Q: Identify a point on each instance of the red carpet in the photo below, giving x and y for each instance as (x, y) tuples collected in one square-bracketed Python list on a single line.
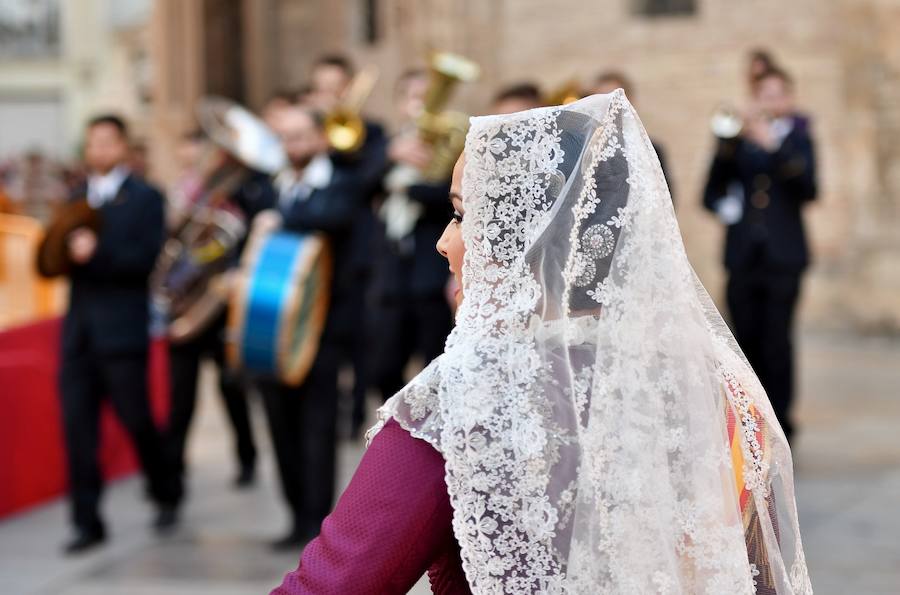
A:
[(32, 458)]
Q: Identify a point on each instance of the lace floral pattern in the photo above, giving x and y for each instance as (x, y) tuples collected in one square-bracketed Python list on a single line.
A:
[(579, 404)]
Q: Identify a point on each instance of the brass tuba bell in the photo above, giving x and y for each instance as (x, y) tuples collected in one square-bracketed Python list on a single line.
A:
[(444, 130)]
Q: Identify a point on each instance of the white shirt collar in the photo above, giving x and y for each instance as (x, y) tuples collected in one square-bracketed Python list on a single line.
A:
[(293, 185), (319, 171), (781, 127), (103, 188)]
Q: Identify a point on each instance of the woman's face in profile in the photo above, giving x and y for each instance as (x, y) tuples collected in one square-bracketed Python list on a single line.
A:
[(451, 244)]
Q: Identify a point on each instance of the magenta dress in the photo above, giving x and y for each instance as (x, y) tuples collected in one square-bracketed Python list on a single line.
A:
[(390, 526)]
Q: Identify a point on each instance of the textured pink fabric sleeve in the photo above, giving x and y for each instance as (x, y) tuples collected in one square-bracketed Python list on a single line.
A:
[(391, 524)]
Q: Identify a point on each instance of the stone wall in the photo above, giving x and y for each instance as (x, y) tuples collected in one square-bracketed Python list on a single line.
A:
[(844, 54)]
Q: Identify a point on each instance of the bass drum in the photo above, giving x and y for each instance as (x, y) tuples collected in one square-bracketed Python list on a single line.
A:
[(279, 305)]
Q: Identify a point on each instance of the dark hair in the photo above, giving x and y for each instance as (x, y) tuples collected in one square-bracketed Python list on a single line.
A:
[(112, 120), (777, 73), (763, 56), (194, 135), (527, 91), (408, 75), (317, 117), (614, 76), (336, 60), (288, 95)]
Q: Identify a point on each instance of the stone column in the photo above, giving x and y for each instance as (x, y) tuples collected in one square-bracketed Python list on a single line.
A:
[(869, 283), (177, 33)]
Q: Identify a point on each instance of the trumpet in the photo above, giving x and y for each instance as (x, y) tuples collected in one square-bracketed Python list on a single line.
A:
[(726, 122), (344, 126), (568, 92)]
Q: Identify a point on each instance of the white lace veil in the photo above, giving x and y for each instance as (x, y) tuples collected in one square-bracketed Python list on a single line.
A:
[(601, 429)]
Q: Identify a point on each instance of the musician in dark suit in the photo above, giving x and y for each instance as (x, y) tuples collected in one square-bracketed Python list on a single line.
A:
[(609, 81), (330, 80), (758, 184), (314, 195), (105, 333), (517, 97), (252, 196), (411, 316)]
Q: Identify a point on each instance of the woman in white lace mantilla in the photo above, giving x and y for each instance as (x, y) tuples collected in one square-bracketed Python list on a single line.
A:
[(591, 427)]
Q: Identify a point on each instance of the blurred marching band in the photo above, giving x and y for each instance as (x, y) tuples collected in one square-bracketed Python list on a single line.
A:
[(297, 246)]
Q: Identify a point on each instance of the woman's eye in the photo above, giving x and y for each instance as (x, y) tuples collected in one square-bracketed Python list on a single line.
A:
[(457, 217)]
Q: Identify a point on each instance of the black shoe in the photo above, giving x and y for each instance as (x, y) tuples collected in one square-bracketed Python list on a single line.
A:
[(245, 478), (83, 541), (166, 519), (293, 541)]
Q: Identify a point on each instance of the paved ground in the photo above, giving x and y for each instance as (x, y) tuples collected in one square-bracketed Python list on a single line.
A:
[(848, 465), (848, 472)]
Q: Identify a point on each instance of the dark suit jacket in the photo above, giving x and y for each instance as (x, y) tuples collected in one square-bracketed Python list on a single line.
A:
[(255, 194), (412, 267), (661, 154), (770, 234), (109, 303), (334, 210), (369, 161), (367, 166)]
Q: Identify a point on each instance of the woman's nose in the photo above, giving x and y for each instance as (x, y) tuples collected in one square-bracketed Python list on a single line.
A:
[(441, 245)]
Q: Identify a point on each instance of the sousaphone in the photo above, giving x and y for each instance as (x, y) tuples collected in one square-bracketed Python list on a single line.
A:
[(188, 284)]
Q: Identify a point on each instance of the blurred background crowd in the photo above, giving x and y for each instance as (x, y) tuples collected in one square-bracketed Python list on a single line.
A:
[(777, 126), (151, 61)]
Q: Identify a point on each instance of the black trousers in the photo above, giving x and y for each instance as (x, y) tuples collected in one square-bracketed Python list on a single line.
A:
[(303, 423), (85, 379), (762, 305), (184, 363), (355, 352), (403, 328)]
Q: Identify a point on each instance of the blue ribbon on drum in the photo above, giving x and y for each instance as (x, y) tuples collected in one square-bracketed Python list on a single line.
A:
[(268, 292), (280, 311)]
